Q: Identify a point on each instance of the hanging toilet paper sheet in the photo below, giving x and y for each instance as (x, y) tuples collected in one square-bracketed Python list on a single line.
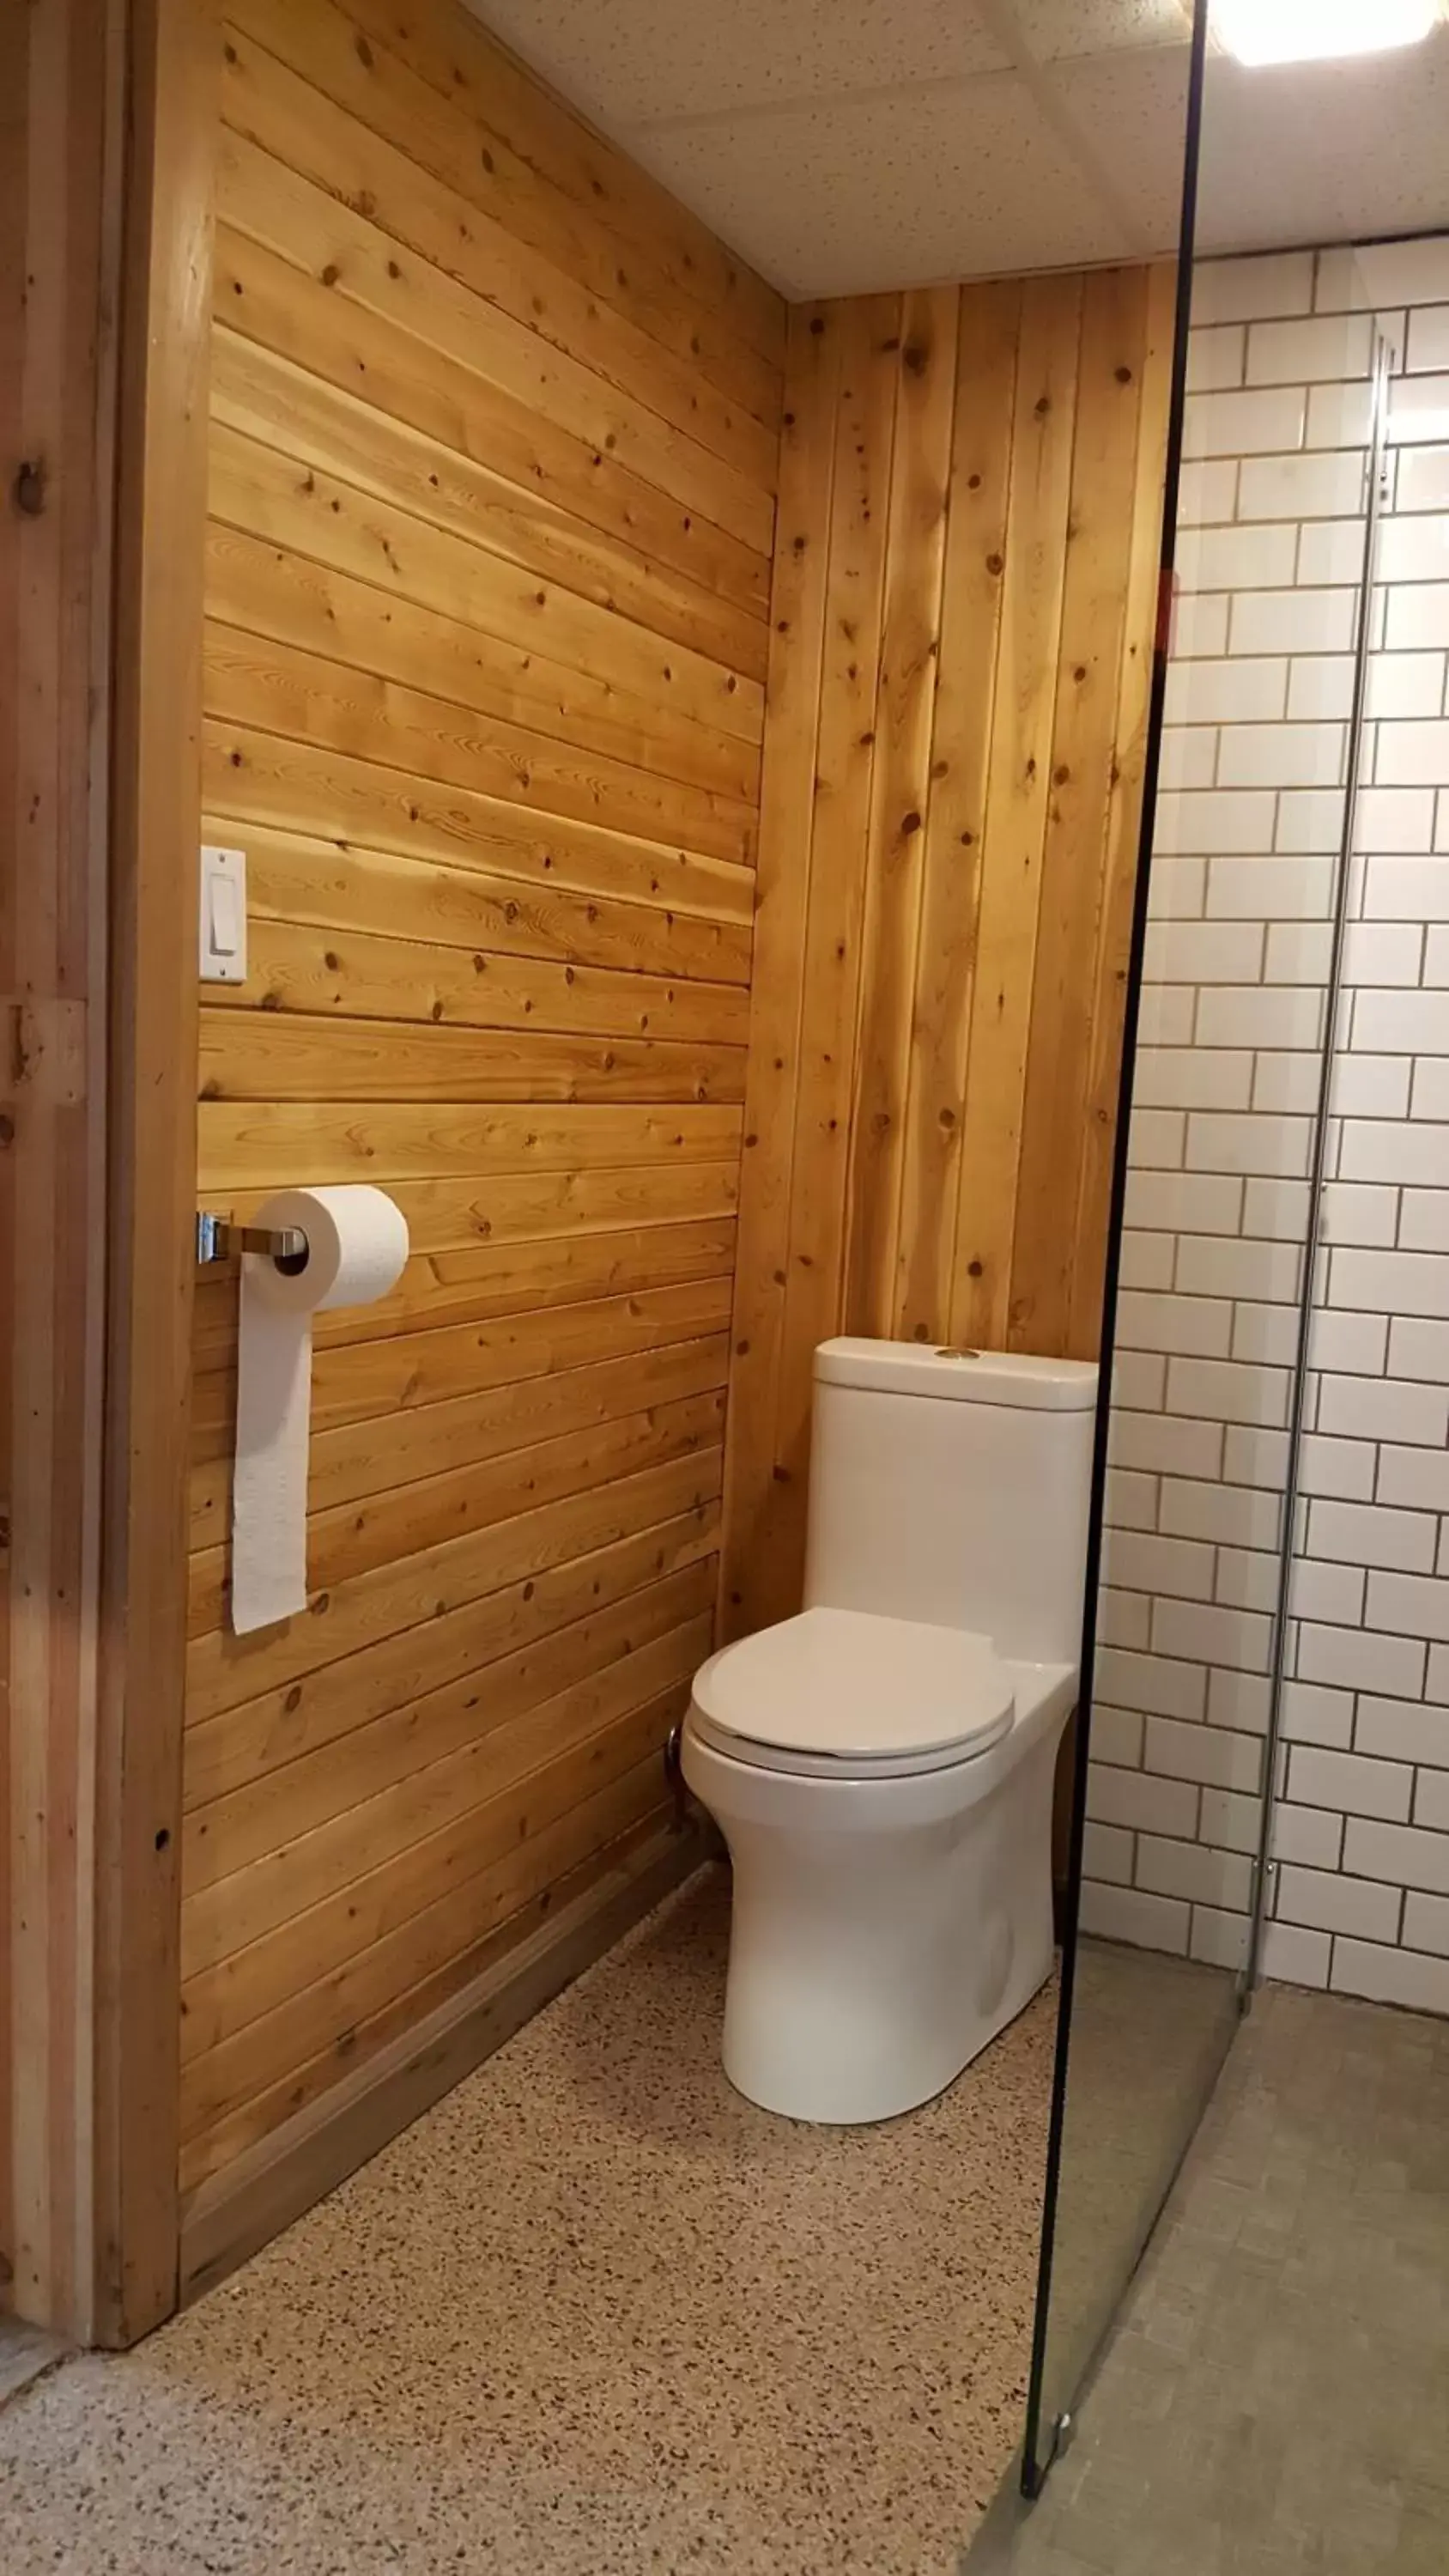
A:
[(357, 1243)]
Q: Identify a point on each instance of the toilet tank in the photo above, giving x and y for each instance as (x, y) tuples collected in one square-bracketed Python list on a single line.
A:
[(953, 1486)]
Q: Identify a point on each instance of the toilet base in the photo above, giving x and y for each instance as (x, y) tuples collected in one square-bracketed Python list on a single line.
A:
[(884, 1931), (854, 2074)]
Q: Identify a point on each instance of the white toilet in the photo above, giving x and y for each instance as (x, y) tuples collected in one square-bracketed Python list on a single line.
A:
[(881, 1766)]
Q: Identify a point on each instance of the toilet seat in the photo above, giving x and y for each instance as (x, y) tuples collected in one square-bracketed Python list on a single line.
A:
[(845, 1692)]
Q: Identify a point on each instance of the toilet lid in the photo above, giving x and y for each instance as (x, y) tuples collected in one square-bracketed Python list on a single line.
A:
[(846, 1689)]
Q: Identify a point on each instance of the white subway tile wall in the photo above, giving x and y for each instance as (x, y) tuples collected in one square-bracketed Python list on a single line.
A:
[(1248, 829)]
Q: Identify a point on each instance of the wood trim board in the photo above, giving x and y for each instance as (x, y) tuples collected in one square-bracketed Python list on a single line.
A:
[(105, 217)]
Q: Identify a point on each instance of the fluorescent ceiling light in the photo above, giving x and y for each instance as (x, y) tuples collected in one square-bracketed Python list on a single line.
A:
[(1308, 31)]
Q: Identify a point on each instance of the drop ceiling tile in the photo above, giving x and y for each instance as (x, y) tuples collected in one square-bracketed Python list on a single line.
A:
[(1054, 28), (1325, 152), (830, 193), (1133, 110), (855, 195), (638, 60)]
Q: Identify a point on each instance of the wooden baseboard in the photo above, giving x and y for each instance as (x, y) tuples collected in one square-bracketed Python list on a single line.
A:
[(236, 2212)]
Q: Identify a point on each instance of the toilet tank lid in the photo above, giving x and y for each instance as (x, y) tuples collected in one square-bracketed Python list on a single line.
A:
[(965, 1376)]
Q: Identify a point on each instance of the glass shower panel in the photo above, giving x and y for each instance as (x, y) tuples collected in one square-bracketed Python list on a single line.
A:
[(1193, 1629)]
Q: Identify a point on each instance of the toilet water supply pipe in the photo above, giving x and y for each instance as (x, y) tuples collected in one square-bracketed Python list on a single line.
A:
[(1265, 1873)]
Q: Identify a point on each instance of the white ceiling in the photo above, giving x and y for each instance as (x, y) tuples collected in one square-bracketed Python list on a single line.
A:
[(847, 145)]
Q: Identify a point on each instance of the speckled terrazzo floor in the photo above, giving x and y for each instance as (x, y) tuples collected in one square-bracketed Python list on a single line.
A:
[(593, 2313)]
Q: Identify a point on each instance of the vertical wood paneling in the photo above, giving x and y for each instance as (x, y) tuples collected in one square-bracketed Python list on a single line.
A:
[(1124, 815), (494, 449), (782, 909), (844, 766), (900, 795), (931, 1159), (1018, 798), (1083, 751), (980, 476)]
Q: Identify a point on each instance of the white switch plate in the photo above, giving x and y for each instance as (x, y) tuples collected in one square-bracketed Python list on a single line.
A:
[(223, 915)]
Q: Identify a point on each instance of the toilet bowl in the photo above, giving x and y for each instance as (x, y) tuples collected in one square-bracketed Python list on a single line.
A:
[(881, 1765)]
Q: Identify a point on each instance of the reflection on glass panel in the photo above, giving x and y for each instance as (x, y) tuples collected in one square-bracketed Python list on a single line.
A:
[(1227, 1086), (1277, 1381)]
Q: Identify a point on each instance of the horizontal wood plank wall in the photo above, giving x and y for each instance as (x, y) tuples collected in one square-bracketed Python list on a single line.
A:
[(969, 523), (494, 445)]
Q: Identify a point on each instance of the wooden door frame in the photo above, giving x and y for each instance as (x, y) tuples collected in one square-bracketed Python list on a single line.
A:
[(101, 565)]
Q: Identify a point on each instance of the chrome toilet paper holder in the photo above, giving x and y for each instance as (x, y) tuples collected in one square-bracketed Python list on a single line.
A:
[(217, 1238)]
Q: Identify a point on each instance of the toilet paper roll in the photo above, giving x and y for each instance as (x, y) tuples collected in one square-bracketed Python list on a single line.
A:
[(357, 1242)]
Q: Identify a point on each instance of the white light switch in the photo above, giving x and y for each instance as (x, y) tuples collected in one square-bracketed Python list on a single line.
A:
[(223, 915)]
